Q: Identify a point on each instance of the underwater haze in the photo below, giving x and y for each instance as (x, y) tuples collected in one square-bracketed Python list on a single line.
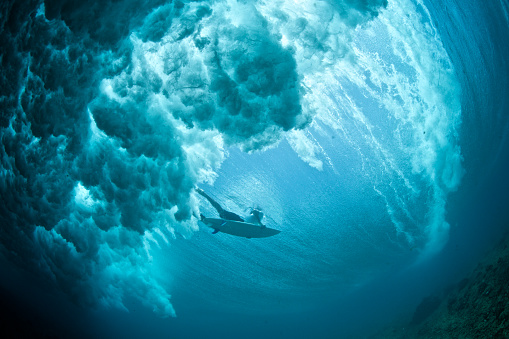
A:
[(372, 133)]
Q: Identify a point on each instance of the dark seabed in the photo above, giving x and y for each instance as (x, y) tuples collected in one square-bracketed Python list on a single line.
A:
[(374, 134)]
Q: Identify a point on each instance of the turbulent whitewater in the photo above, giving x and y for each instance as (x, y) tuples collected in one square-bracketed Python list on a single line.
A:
[(340, 118)]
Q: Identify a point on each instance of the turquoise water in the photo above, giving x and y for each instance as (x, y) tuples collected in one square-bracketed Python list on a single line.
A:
[(372, 134)]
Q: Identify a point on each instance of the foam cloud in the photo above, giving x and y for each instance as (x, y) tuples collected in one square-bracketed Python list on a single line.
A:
[(213, 72)]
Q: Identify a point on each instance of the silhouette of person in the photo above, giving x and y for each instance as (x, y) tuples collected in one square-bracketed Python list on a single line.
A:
[(224, 214)]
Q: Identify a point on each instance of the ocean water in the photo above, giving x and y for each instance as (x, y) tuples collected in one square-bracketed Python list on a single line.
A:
[(372, 134)]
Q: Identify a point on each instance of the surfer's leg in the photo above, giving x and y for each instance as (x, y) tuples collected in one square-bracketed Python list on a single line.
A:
[(214, 203)]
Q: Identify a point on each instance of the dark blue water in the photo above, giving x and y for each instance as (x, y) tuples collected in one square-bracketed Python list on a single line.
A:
[(373, 134)]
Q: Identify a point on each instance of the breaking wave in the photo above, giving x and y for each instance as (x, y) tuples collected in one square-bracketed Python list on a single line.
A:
[(108, 125)]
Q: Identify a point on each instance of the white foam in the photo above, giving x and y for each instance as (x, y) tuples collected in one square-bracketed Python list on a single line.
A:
[(305, 148), (401, 65)]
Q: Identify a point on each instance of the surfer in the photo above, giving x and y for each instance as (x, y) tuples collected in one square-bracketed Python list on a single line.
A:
[(255, 217), (223, 214), (231, 223)]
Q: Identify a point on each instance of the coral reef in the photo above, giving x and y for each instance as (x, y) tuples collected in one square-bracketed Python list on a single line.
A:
[(476, 307)]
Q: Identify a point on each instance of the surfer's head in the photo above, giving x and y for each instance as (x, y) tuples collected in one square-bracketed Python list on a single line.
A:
[(257, 214)]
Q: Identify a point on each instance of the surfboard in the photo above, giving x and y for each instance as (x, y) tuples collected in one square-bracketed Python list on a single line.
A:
[(239, 228)]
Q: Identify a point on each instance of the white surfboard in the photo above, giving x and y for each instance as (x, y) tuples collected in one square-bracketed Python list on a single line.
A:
[(239, 228)]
